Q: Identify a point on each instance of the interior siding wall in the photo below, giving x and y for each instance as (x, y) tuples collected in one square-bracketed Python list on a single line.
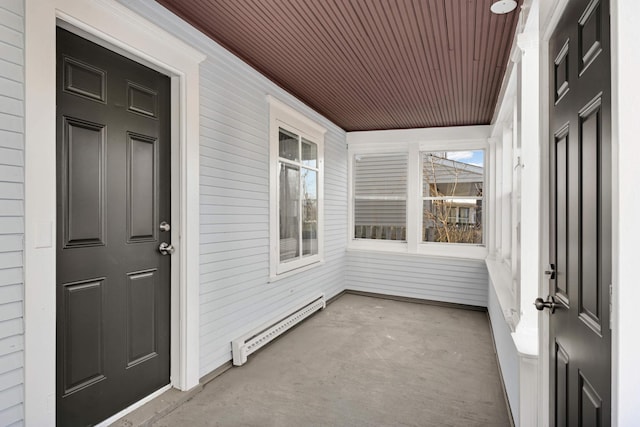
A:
[(235, 293), (459, 281), (11, 211)]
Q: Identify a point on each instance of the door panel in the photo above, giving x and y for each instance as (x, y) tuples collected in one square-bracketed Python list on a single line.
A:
[(83, 352), (142, 171), (590, 34), (561, 385), (141, 316), (590, 405), (560, 172), (142, 100), (590, 139), (82, 167), (84, 80), (580, 216), (113, 285)]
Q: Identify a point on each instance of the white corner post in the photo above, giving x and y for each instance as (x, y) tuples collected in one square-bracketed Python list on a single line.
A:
[(526, 334)]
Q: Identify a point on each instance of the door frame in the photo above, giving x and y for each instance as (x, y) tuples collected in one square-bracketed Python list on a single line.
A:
[(546, 31), (625, 129), (108, 23)]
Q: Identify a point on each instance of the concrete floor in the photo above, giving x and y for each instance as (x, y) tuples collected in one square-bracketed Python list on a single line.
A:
[(362, 362)]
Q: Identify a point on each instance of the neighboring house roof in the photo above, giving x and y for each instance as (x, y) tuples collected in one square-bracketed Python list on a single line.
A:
[(453, 178)]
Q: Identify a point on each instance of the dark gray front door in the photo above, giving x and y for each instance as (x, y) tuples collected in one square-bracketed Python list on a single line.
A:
[(113, 191), (580, 217)]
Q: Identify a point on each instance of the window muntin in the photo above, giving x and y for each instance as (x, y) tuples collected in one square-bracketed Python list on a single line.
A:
[(297, 197), (380, 196), (452, 196)]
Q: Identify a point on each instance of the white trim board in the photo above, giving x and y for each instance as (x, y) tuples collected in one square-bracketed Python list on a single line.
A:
[(625, 67), (114, 26)]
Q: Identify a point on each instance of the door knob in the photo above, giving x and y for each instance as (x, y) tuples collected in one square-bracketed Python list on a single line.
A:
[(166, 248), (550, 303)]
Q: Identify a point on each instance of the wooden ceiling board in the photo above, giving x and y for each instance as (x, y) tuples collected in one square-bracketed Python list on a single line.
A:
[(370, 64)]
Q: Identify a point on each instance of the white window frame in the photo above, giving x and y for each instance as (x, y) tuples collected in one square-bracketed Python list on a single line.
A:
[(414, 142), (283, 116), (459, 246)]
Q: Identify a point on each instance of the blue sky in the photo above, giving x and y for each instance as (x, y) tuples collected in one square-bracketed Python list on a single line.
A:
[(475, 157)]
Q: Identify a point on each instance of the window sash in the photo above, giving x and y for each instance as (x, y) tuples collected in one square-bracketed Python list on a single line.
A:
[(301, 247), (439, 172), (380, 197)]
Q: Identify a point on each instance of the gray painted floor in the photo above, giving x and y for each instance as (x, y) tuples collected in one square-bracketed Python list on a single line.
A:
[(362, 362)]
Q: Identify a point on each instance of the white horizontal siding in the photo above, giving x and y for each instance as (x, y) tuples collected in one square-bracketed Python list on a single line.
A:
[(11, 211), (235, 293), (451, 280)]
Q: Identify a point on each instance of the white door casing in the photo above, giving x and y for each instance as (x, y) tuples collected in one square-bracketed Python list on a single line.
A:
[(108, 23)]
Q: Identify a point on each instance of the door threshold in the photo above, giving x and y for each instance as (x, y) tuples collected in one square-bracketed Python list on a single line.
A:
[(151, 408)]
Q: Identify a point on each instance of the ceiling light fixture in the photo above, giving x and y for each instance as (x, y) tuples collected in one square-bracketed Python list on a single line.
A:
[(503, 6)]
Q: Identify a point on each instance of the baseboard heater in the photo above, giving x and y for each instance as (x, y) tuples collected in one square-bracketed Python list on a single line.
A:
[(258, 338)]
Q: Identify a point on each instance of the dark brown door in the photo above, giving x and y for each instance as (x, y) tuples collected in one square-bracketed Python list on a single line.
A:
[(580, 200), (113, 191)]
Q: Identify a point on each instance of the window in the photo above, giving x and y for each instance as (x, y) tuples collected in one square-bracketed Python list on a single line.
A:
[(380, 196), (420, 191), (296, 153), (452, 196), (298, 196)]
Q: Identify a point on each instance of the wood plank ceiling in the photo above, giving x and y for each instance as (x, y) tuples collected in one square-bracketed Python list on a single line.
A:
[(370, 64)]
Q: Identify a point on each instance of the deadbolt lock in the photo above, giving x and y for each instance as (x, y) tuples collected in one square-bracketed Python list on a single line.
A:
[(550, 272), (164, 226)]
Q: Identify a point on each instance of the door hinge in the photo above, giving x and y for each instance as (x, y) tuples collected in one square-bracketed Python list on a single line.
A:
[(610, 306)]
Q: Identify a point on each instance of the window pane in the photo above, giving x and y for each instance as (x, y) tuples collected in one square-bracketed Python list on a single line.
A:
[(309, 212), (309, 154), (289, 212), (289, 148), (380, 193), (453, 173), (452, 221)]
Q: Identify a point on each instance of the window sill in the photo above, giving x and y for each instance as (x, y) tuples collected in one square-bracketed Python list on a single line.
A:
[(453, 250), (378, 245), (275, 278), (443, 250)]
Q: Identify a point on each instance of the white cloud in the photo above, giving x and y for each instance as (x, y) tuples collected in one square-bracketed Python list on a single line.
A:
[(459, 155)]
